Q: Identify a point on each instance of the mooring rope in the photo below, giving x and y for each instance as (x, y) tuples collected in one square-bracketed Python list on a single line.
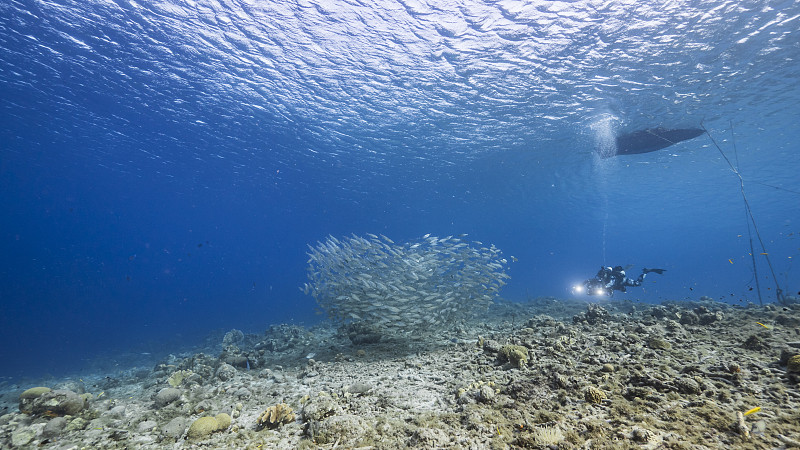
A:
[(778, 291)]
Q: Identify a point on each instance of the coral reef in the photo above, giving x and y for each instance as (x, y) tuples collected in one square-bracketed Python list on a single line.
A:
[(594, 395), (348, 430), (793, 364), (547, 435), (635, 378), (515, 354), (204, 426), (177, 378), (52, 403), (276, 416), (27, 398), (232, 337)]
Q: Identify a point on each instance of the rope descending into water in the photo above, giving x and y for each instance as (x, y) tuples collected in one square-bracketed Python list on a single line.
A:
[(778, 290)]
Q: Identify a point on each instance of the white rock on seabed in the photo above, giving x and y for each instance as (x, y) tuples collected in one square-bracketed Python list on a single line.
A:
[(22, 436)]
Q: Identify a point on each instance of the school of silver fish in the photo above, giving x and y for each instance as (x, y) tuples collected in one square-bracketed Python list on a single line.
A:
[(422, 285)]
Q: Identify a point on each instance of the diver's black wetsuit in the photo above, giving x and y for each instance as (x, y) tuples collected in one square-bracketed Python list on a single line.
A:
[(614, 279)]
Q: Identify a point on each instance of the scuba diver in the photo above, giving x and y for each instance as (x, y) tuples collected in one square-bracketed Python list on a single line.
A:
[(610, 279)]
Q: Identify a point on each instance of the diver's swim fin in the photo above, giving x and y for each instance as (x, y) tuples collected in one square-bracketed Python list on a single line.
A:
[(658, 271)]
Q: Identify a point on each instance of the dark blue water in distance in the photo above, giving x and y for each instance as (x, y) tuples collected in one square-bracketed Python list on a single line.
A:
[(164, 164)]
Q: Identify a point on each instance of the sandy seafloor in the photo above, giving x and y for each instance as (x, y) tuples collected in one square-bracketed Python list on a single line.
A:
[(612, 374)]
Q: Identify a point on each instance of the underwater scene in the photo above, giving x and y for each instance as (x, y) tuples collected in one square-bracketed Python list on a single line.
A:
[(399, 224)]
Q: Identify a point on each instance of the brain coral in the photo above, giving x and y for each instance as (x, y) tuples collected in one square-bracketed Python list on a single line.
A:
[(204, 426)]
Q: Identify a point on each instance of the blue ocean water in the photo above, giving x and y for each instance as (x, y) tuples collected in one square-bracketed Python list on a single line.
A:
[(165, 163)]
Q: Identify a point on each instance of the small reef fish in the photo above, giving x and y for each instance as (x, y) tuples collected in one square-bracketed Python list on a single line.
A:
[(416, 286), (752, 411)]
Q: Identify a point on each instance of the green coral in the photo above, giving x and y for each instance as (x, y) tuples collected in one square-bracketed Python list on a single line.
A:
[(34, 392), (223, 421), (659, 344), (204, 426), (77, 424), (177, 378), (515, 354)]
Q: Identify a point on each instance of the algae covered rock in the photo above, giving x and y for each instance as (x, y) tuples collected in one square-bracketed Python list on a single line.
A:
[(430, 438), (348, 430), (54, 427), (241, 361), (479, 391), (642, 435), (232, 337), (77, 424), (515, 354), (117, 412), (60, 402), (177, 378), (757, 342), (167, 396), (319, 407), (689, 318), (175, 428), (688, 385), (486, 394), (594, 315), (27, 397), (226, 372), (594, 395), (362, 333), (793, 364), (490, 345), (658, 344), (22, 436), (146, 426)]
